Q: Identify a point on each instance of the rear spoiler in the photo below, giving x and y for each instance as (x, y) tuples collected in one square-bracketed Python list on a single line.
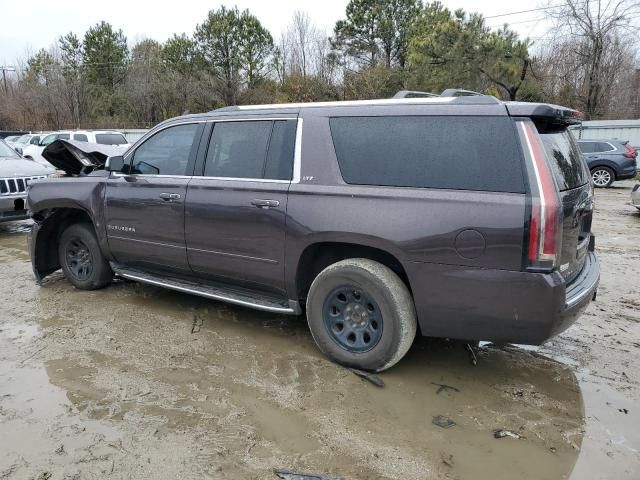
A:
[(554, 114)]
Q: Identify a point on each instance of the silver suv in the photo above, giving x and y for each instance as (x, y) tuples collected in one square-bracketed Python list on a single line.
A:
[(15, 174)]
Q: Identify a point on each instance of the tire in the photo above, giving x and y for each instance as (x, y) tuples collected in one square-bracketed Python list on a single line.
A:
[(602, 177), (81, 259), (361, 314)]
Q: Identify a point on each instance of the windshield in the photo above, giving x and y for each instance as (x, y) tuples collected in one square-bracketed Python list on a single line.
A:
[(24, 139), (6, 151), (50, 139)]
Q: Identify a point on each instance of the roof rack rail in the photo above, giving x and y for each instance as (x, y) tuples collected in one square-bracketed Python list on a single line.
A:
[(230, 108), (459, 92), (413, 94)]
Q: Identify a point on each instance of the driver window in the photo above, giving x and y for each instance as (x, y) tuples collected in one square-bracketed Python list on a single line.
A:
[(167, 152)]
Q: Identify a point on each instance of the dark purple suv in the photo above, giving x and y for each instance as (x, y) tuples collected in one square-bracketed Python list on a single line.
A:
[(465, 217)]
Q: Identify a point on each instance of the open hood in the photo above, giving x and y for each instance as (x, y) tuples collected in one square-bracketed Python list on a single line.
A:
[(80, 158)]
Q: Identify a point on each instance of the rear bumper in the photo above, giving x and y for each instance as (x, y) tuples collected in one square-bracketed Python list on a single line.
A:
[(499, 305), (578, 294), (627, 175), (628, 170)]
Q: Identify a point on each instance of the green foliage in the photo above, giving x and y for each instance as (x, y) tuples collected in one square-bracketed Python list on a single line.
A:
[(40, 67), (235, 47), (257, 46), (376, 29), (454, 49), (180, 54), (71, 51), (105, 56), (443, 49)]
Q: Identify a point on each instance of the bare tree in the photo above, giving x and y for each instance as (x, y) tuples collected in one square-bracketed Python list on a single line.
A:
[(591, 41), (301, 35)]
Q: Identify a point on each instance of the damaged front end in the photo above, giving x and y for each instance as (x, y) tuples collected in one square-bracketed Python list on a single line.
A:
[(80, 158)]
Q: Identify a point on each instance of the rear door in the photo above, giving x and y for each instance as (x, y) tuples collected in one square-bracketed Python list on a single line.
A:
[(235, 212), (576, 195), (144, 207)]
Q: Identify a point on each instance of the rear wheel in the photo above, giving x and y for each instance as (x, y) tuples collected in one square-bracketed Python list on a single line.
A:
[(361, 314), (81, 259), (602, 176)]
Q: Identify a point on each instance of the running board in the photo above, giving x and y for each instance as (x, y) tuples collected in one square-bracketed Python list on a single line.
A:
[(236, 296)]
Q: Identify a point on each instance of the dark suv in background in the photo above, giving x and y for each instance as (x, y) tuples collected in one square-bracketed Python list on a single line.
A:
[(609, 160), (359, 213)]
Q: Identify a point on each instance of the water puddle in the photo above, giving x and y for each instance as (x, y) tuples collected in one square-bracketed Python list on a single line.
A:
[(114, 382)]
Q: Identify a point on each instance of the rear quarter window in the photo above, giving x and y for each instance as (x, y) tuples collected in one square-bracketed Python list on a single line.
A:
[(567, 164), (461, 153)]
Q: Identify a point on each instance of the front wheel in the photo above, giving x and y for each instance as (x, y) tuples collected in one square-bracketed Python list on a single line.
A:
[(361, 314), (602, 177), (81, 258)]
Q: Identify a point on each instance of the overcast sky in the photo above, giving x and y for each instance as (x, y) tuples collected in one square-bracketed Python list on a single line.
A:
[(27, 27)]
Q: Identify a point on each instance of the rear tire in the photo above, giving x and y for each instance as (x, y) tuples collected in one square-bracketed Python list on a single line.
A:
[(81, 258), (361, 314), (602, 176)]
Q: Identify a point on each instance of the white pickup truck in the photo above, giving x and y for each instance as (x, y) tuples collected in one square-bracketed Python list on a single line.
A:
[(102, 137)]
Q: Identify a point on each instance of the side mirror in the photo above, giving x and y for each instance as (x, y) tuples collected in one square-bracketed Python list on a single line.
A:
[(114, 164), (19, 150)]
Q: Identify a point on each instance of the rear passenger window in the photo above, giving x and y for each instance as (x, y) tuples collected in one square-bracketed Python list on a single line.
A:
[(603, 147), (252, 149), (238, 149), (587, 147), (279, 165), (461, 153), (81, 137)]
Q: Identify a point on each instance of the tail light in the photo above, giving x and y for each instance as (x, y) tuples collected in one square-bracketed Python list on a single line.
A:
[(543, 242), (631, 153)]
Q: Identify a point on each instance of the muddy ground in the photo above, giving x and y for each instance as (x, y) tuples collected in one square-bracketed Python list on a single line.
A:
[(138, 382)]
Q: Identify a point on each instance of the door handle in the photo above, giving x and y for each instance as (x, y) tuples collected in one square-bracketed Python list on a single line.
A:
[(260, 203), (170, 196)]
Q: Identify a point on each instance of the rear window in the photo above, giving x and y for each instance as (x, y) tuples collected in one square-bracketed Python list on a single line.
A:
[(461, 153), (567, 164), (110, 138)]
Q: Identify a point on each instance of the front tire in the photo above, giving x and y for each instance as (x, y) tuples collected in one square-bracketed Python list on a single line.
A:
[(602, 177), (361, 314), (81, 258)]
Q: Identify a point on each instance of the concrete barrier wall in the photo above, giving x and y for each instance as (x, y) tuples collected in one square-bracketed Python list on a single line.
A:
[(610, 129)]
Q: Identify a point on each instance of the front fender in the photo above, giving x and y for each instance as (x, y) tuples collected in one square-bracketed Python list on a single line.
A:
[(55, 203)]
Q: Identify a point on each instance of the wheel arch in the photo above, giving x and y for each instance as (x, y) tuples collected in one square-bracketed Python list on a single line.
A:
[(45, 236), (605, 163), (318, 255)]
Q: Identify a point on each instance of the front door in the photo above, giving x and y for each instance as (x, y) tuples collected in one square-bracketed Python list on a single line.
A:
[(144, 206), (235, 211)]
